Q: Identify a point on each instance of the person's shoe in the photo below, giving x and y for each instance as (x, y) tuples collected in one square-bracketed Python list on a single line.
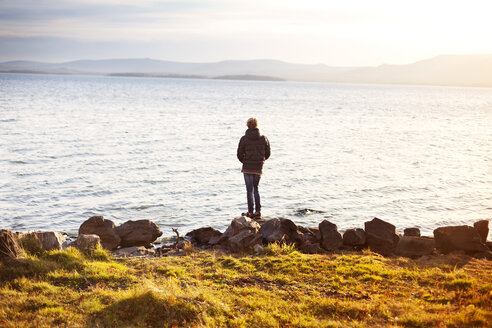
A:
[(249, 215), (257, 215)]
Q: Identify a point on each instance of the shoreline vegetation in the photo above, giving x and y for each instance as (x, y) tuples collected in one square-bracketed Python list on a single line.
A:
[(255, 274), (278, 288)]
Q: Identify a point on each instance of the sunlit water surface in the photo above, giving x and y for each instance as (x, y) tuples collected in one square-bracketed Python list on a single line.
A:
[(165, 150)]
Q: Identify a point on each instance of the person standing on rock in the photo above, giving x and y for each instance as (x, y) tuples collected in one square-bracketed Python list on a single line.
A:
[(252, 151)]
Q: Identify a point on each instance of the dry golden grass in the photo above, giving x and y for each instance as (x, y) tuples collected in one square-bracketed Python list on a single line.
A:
[(280, 288)]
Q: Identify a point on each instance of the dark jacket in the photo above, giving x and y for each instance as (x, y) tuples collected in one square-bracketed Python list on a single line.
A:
[(253, 150)]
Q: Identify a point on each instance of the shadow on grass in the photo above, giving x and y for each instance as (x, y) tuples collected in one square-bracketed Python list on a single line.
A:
[(148, 309)]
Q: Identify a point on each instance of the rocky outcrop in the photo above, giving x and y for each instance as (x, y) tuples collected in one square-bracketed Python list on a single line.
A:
[(242, 233), (455, 238), (331, 239), (279, 230), (35, 242), (138, 233), (413, 246), (381, 236), (9, 245), (411, 232), (87, 243), (482, 228), (105, 229), (203, 236), (354, 237), (309, 239), (244, 240)]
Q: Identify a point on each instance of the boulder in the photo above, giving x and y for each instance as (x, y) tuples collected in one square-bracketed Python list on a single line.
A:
[(203, 236), (381, 236), (87, 243), (279, 230), (105, 229), (465, 238), (244, 240), (9, 245), (138, 233), (411, 232), (354, 237), (133, 252), (308, 239), (489, 245), (310, 248), (237, 225), (42, 241), (412, 246), (482, 228), (331, 239)]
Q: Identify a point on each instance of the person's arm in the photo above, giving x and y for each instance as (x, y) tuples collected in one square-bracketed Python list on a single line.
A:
[(267, 148), (240, 150)]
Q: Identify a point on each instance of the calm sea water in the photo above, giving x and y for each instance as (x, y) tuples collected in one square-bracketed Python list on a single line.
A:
[(165, 150)]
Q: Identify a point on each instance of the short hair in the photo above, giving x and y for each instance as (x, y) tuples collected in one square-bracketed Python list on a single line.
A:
[(252, 122)]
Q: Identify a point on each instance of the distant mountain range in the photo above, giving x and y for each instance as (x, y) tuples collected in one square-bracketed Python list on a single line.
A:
[(452, 70)]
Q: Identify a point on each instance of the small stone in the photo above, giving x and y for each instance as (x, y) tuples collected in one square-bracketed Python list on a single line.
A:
[(258, 249), (135, 251), (87, 243)]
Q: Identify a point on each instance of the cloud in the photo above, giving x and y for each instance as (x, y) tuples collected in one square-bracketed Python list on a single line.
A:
[(379, 31)]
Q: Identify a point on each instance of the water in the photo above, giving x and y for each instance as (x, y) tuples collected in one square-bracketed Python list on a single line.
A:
[(165, 150)]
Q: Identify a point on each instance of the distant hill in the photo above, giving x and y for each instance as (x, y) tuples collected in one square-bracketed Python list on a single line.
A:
[(459, 70)]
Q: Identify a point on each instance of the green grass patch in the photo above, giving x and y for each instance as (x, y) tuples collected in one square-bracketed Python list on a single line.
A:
[(279, 288)]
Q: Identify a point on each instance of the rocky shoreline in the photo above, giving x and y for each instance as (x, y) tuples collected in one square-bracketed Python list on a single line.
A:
[(245, 235)]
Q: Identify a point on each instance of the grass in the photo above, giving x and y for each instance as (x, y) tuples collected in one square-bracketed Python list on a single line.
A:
[(279, 288)]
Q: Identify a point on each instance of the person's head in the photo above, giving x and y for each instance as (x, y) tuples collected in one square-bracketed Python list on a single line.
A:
[(252, 123)]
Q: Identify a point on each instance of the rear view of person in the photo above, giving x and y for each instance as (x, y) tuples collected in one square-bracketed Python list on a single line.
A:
[(252, 151)]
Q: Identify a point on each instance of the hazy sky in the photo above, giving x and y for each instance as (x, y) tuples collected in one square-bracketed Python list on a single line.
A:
[(342, 32)]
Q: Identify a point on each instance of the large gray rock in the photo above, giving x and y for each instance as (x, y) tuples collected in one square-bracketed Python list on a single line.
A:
[(482, 228), (354, 237), (381, 236), (138, 233), (279, 230), (105, 229), (331, 239), (411, 246), (9, 245), (309, 239), (243, 240), (87, 243), (237, 225), (203, 236), (453, 238), (42, 241)]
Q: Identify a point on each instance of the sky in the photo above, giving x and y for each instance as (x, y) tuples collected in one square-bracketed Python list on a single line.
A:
[(335, 33)]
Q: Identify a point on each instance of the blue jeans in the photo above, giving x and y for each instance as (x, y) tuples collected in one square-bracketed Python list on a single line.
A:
[(252, 181)]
